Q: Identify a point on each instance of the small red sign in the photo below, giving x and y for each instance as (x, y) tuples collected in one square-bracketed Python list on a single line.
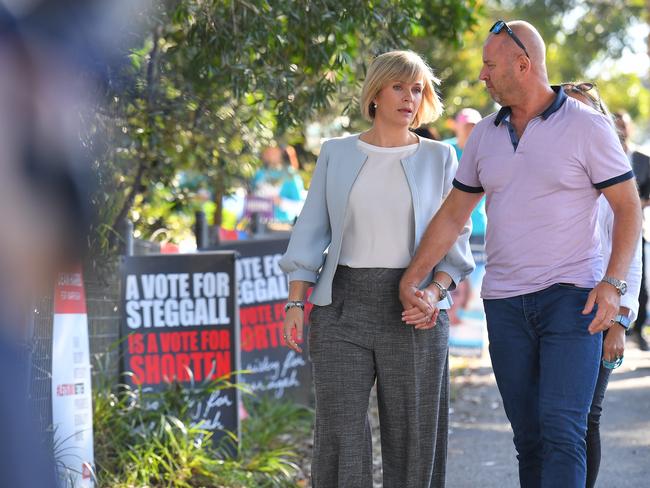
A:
[(69, 295)]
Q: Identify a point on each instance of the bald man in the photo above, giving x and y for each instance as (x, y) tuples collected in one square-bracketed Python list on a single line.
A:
[(542, 161)]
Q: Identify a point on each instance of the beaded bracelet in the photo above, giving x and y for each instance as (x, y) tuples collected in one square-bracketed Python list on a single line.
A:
[(613, 364)]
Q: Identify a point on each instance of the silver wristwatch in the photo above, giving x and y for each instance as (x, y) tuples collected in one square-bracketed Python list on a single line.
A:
[(620, 285), (294, 303), (443, 290)]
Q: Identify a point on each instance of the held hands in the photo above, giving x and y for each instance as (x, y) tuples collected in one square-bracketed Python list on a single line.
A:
[(420, 308), (293, 321), (607, 298)]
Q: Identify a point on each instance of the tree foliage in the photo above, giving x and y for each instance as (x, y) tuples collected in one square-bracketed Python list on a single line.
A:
[(579, 35), (212, 81)]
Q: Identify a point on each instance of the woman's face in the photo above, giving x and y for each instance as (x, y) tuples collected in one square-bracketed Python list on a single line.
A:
[(398, 102)]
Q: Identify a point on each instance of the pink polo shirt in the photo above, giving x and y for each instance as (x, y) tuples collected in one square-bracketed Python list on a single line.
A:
[(541, 197)]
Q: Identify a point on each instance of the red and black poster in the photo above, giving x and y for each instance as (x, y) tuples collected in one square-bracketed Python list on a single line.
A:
[(272, 368), (180, 324)]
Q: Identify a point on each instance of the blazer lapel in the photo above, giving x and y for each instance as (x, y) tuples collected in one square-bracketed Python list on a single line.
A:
[(408, 165), (347, 170)]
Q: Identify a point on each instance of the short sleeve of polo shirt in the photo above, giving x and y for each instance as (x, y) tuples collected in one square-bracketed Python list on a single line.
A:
[(604, 159), (467, 179)]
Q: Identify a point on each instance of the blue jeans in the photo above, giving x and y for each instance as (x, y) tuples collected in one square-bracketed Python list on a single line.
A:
[(546, 363)]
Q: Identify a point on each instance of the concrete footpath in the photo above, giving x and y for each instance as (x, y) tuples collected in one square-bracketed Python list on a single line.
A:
[(481, 453)]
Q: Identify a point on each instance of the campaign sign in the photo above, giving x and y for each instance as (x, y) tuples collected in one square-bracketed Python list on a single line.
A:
[(180, 324), (258, 205), (273, 368), (72, 414)]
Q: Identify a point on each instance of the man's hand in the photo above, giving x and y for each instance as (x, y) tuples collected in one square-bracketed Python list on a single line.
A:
[(424, 319), (608, 300), (408, 295)]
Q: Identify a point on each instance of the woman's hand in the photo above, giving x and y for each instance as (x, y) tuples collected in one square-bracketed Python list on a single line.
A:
[(614, 343), (293, 321), (424, 319)]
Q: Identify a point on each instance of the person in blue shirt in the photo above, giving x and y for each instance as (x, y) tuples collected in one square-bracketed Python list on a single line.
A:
[(281, 183), (464, 123)]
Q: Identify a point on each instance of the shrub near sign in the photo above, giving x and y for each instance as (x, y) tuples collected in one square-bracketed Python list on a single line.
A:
[(181, 325)]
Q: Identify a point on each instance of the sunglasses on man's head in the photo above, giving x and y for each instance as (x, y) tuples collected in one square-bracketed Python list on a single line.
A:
[(500, 25), (585, 86)]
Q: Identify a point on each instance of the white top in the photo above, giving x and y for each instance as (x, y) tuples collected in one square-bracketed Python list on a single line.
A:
[(379, 224), (633, 277), (429, 171)]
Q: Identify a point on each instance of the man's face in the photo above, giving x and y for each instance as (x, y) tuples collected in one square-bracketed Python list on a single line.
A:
[(498, 71)]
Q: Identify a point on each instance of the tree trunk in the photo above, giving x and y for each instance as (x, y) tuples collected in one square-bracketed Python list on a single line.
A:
[(219, 189), (144, 164)]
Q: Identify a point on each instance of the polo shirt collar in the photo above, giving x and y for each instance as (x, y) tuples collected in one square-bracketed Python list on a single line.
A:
[(559, 100)]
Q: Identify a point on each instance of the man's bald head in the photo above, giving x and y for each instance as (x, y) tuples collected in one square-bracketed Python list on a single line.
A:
[(529, 37), (509, 73), (533, 41)]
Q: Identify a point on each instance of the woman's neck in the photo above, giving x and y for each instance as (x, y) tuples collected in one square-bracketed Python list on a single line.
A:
[(383, 136)]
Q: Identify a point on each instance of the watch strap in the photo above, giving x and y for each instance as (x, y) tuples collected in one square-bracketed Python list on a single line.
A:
[(620, 285), (623, 320), (443, 290)]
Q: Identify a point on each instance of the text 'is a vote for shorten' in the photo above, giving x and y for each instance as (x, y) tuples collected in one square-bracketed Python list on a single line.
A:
[(177, 299)]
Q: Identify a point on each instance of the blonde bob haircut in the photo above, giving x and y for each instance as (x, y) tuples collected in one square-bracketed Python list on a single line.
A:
[(407, 67)]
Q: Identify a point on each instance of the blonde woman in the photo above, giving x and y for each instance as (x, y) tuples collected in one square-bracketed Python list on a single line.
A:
[(371, 198)]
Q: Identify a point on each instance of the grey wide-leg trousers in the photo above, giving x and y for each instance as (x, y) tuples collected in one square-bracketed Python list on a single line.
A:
[(360, 338)]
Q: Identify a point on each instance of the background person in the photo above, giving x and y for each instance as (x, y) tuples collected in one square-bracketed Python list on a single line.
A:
[(427, 132), (614, 337), (370, 199), (464, 123), (641, 166), (279, 181)]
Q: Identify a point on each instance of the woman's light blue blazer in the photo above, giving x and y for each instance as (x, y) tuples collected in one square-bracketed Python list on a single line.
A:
[(429, 173)]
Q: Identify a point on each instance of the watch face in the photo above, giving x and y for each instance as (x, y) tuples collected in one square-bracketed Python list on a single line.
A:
[(623, 287)]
